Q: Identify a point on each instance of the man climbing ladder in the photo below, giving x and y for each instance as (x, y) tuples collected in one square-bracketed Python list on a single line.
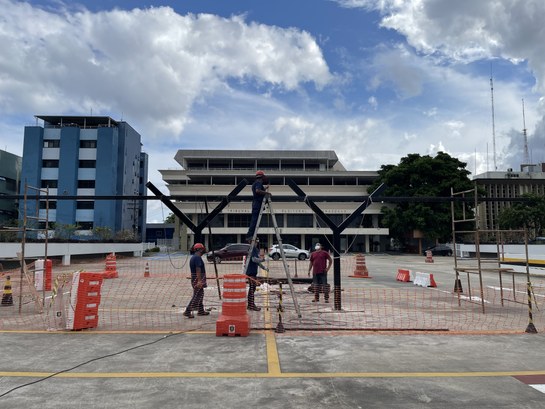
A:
[(266, 202)]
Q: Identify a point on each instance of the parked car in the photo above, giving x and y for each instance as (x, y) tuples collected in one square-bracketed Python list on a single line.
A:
[(231, 252), (289, 251), (439, 250)]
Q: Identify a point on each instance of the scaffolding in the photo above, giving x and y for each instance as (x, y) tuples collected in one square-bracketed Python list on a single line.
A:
[(31, 223), (478, 265)]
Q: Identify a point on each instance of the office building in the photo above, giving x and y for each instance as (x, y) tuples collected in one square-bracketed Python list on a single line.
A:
[(212, 174), (507, 184), (10, 173), (86, 156)]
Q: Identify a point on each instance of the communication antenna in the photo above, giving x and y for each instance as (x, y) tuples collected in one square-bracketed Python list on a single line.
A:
[(493, 119), (526, 153)]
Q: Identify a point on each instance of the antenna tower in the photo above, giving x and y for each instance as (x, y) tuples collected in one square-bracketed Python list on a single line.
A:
[(526, 153), (493, 120)]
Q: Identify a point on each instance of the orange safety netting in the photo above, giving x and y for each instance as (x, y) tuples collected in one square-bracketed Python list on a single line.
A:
[(151, 293)]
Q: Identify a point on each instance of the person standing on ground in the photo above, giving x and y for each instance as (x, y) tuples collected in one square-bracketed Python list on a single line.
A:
[(254, 262), (259, 192), (320, 263), (198, 282)]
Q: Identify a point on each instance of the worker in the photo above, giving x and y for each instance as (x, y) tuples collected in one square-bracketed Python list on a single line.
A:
[(254, 262), (320, 263), (259, 192), (198, 282)]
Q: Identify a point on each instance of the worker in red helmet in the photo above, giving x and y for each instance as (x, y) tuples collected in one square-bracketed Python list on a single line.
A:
[(259, 192), (198, 282)]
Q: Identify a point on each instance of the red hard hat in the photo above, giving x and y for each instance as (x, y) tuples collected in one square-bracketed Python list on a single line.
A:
[(259, 173), (199, 246)]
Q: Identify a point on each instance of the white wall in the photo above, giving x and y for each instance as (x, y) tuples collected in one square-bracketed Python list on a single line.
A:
[(32, 250)]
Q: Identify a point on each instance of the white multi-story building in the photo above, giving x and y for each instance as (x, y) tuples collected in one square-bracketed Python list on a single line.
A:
[(508, 184), (213, 174)]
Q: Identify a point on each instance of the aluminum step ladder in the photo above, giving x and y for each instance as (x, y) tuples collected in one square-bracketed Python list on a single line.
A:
[(268, 204)]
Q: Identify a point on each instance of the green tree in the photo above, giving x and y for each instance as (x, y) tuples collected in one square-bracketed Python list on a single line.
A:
[(422, 176), (528, 214), (170, 218)]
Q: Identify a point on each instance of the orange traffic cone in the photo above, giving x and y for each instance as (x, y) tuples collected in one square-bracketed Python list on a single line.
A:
[(146, 270), (7, 296), (234, 319), (111, 266), (361, 268)]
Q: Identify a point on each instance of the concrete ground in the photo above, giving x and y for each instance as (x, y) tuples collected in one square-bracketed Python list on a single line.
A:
[(268, 370), (192, 368)]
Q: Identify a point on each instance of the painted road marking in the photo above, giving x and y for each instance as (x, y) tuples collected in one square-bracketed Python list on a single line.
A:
[(536, 381), (272, 375)]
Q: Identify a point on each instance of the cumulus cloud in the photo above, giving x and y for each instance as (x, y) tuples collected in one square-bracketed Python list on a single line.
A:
[(148, 65), (465, 31)]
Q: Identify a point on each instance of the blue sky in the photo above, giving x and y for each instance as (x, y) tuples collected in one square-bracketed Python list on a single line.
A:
[(374, 80)]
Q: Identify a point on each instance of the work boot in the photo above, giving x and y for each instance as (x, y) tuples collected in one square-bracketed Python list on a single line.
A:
[(203, 313), (316, 300), (254, 307), (188, 314)]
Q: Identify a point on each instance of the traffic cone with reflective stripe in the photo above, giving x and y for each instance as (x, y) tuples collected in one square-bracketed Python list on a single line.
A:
[(146, 270)]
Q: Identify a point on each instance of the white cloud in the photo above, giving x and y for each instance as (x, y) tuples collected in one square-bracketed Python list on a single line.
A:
[(149, 66), (468, 30)]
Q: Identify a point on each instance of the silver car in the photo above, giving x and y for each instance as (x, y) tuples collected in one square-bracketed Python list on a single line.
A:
[(289, 251)]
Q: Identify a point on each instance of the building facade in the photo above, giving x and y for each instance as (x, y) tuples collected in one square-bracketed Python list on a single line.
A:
[(212, 174), (507, 184), (10, 173), (86, 156)]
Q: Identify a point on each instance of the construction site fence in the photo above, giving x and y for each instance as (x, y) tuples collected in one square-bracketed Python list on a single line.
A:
[(151, 294)]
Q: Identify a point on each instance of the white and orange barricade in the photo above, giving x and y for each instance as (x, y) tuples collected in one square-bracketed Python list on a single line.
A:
[(424, 280), (84, 300), (360, 271), (234, 319), (43, 274)]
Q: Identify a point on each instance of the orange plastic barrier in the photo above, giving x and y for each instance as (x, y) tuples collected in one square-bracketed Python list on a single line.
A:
[(361, 268), (85, 300), (403, 275), (234, 319)]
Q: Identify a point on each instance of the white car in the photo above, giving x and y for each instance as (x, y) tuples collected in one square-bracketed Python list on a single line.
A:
[(289, 252)]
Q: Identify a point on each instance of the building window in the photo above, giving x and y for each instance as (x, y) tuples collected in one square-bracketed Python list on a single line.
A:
[(239, 220), (51, 184), (87, 204), (52, 143), (87, 163), (87, 144), (215, 222), (85, 225), (52, 204), (86, 184), (299, 220), (50, 163)]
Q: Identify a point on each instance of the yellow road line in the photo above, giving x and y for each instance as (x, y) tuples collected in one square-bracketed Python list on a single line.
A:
[(287, 375), (273, 360)]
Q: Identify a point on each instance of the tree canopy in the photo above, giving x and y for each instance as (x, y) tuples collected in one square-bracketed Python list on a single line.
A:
[(422, 176)]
